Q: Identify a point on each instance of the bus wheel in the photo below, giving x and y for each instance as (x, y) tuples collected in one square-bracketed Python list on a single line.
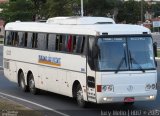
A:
[(31, 83), (79, 97), (22, 82)]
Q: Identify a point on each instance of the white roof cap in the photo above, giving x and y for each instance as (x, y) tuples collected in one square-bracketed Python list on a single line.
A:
[(80, 20)]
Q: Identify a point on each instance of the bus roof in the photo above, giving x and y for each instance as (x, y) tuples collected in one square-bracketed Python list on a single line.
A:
[(80, 20), (78, 25)]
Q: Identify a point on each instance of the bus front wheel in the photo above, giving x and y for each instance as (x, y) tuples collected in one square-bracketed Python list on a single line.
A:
[(32, 87), (79, 97)]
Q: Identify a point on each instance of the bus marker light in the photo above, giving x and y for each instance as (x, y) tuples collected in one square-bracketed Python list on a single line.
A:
[(107, 98), (151, 97), (99, 88)]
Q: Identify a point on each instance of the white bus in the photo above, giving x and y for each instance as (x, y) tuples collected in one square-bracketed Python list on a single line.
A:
[(91, 59)]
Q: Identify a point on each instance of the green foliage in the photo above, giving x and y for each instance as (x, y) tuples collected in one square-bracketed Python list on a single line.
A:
[(57, 8), (156, 9), (17, 10), (27, 10)]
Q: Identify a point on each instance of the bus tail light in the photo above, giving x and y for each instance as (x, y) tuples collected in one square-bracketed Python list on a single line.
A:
[(99, 88)]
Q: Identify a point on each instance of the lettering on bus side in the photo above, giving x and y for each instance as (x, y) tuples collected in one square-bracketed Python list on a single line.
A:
[(54, 61)]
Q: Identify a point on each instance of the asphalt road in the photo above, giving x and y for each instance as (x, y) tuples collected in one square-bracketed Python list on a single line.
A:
[(1, 55), (68, 105)]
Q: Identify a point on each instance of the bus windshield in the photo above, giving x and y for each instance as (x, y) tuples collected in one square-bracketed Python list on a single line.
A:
[(125, 53)]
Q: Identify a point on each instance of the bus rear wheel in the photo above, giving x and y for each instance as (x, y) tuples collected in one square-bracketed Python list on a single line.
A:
[(79, 97), (22, 82), (31, 83)]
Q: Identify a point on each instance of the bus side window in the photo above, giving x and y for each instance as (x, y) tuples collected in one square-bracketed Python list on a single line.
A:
[(69, 43), (64, 43), (8, 38), (51, 42), (21, 40), (80, 44), (29, 42), (59, 42), (25, 37), (41, 41), (15, 40), (74, 44), (34, 40)]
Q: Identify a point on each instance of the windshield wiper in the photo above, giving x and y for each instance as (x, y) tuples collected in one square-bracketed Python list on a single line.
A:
[(132, 59), (121, 62)]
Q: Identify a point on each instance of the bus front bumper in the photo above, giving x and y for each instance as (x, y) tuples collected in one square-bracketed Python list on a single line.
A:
[(113, 98)]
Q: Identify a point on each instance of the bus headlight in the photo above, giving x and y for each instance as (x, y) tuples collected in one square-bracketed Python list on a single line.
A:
[(151, 97)]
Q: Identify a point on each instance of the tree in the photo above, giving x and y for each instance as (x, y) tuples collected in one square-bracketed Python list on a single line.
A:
[(58, 8), (38, 7), (156, 9), (17, 10), (130, 12)]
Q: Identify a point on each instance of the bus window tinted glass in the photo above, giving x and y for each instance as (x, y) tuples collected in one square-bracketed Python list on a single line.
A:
[(113, 54), (80, 41), (29, 38), (42, 41), (21, 39), (51, 42), (141, 52), (34, 40), (8, 38)]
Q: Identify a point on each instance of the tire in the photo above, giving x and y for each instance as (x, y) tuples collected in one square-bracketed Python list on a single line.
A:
[(31, 84), (79, 97), (22, 82)]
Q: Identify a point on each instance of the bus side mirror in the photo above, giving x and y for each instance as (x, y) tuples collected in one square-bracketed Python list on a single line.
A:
[(155, 48)]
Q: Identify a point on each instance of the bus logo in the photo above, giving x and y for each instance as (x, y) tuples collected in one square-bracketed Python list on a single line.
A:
[(54, 61), (130, 88)]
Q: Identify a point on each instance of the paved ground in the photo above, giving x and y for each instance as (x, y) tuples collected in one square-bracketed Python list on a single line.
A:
[(156, 38), (68, 106), (1, 55)]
